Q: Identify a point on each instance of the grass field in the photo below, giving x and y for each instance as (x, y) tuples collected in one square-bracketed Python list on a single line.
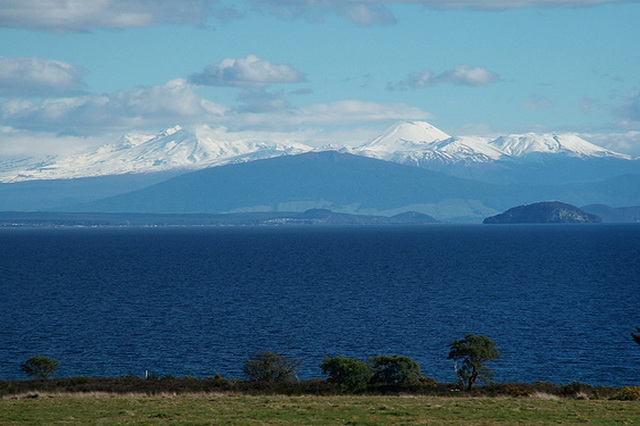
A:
[(220, 409)]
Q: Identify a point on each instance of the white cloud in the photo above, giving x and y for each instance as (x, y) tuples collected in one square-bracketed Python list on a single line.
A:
[(365, 13), (38, 76), (174, 101), (82, 15), (463, 75), (246, 72), (504, 4), (377, 12), (356, 111), (21, 143), (177, 102), (340, 113), (627, 142), (415, 80), (468, 76)]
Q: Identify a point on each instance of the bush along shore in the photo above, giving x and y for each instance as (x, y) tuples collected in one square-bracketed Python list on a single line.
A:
[(185, 385), (269, 373)]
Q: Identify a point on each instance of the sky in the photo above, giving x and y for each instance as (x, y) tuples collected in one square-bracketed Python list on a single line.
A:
[(75, 74)]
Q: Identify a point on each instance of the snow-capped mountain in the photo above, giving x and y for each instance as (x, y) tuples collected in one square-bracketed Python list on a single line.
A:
[(405, 136), (420, 143), (511, 158), (564, 144), (173, 149), (541, 158)]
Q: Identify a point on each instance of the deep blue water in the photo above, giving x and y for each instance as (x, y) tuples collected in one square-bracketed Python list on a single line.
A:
[(560, 301)]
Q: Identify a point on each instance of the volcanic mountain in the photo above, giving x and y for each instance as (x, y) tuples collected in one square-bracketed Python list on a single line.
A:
[(174, 149), (552, 158)]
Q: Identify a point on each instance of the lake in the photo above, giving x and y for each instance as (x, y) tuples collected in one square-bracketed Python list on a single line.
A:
[(560, 301)]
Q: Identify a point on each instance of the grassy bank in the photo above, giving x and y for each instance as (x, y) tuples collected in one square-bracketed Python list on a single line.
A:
[(316, 387), (278, 409)]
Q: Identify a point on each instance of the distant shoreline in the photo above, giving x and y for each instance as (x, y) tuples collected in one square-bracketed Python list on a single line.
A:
[(309, 217)]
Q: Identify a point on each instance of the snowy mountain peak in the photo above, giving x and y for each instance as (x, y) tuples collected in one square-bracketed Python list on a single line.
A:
[(420, 144), (405, 136), (414, 143), (172, 149), (550, 143)]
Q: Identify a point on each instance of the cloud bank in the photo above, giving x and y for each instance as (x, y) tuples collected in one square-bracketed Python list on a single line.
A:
[(177, 101), (378, 12), (246, 72), (63, 16), (82, 15), (365, 13), (38, 76), (144, 107), (462, 75)]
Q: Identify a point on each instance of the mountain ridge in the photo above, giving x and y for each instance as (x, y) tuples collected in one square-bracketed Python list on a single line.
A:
[(465, 190), (170, 150), (415, 143), (505, 159), (346, 183), (341, 182)]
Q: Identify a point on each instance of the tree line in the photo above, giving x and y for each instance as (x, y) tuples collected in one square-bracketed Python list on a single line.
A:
[(470, 356), (350, 374)]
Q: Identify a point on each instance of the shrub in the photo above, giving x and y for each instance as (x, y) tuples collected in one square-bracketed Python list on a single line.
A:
[(267, 366), (40, 367), (546, 387), (351, 374), (395, 370), (576, 388), (604, 392), (628, 393), (428, 382)]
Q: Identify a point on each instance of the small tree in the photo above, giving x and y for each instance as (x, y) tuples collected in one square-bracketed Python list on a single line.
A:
[(470, 355), (636, 337), (267, 366), (395, 370), (351, 374), (40, 367)]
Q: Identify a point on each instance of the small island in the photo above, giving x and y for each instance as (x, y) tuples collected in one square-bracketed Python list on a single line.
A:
[(544, 212)]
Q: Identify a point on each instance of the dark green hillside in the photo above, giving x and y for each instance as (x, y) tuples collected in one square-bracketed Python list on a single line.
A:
[(47, 194), (343, 183), (332, 180)]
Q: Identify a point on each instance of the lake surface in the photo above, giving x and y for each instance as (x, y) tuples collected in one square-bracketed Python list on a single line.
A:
[(559, 300)]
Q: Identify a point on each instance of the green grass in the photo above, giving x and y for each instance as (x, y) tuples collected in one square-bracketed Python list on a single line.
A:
[(233, 409)]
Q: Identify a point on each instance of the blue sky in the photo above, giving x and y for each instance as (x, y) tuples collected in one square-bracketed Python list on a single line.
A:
[(77, 73)]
